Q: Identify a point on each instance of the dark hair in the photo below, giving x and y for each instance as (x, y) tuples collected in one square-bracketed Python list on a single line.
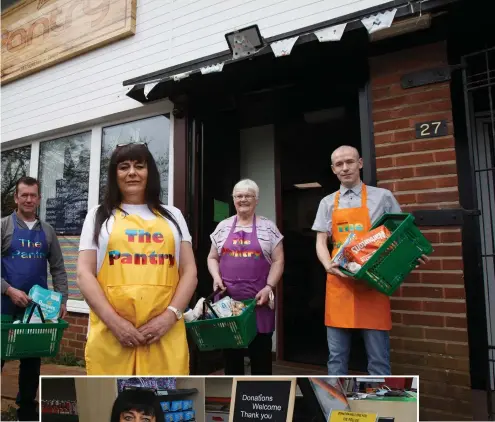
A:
[(144, 401), (113, 195), (28, 181)]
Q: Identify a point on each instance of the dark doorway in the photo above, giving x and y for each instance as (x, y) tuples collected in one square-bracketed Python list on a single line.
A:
[(305, 144), (213, 171)]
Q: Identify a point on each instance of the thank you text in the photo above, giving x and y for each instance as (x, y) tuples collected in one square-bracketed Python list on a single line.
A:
[(263, 400)]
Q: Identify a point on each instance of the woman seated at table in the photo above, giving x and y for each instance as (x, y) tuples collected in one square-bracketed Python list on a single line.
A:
[(246, 261), (137, 272)]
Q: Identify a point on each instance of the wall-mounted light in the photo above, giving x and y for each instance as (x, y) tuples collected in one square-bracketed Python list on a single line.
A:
[(402, 27), (245, 41)]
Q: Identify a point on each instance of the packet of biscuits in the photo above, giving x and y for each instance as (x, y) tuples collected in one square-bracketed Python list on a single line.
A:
[(362, 248)]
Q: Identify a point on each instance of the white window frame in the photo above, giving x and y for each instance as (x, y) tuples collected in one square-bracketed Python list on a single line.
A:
[(156, 109)]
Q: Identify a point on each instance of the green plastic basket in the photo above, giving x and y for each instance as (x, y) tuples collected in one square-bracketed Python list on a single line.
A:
[(30, 340), (235, 332), (397, 257)]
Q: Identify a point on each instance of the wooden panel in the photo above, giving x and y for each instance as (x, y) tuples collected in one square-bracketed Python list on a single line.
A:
[(95, 398), (37, 34)]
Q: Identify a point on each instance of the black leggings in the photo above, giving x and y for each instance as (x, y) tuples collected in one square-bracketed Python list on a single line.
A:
[(29, 374), (260, 355)]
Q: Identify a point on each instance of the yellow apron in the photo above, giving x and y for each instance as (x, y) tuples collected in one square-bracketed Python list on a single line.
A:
[(139, 277)]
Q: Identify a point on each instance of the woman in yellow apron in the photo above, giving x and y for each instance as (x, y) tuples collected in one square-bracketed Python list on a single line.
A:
[(137, 272)]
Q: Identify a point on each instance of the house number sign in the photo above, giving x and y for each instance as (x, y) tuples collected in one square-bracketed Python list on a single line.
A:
[(431, 129)]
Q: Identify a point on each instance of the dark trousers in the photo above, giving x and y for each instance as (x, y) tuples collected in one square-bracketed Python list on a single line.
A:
[(260, 355), (29, 378)]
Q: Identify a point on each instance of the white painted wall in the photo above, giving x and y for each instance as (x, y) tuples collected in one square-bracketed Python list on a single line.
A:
[(258, 164), (168, 32)]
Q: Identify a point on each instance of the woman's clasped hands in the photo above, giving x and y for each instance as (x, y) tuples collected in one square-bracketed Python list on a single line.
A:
[(130, 336)]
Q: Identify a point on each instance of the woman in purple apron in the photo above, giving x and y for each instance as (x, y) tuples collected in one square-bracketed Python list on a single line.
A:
[(246, 261)]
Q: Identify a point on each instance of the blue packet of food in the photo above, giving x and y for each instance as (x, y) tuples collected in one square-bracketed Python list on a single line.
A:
[(49, 301), (189, 415), (178, 416), (165, 406), (176, 405), (187, 404), (169, 417)]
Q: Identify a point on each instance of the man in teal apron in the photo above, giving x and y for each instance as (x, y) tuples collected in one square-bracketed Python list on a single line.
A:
[(28, 244)]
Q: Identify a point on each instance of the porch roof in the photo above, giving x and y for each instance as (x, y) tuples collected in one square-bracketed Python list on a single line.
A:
[(177, 80)]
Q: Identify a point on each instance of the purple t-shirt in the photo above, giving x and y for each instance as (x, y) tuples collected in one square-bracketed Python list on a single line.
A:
[(268, 235)]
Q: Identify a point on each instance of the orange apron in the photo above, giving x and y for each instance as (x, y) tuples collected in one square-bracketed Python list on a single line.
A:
[(352, 303)]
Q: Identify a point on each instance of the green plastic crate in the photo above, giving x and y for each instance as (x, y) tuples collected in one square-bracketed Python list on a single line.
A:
[(235, 332), (397, 257), (30, 340)]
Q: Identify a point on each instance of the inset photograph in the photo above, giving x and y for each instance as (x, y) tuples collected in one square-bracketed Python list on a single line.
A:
[(229, 399)]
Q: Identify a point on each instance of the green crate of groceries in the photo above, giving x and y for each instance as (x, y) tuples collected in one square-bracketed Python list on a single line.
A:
[(233, 332), (387, 267), (29, 340)]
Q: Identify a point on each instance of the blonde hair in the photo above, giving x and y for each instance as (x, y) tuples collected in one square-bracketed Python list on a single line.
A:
[(247, 185)]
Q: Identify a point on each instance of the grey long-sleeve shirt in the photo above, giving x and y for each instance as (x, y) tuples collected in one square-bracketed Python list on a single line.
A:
[(54, 257)]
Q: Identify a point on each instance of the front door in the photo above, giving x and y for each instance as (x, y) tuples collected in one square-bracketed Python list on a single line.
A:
[(213, 172)]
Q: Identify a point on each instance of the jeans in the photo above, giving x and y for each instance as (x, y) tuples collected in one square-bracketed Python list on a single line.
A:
[(377, 343), (260, 355), (29, 376)]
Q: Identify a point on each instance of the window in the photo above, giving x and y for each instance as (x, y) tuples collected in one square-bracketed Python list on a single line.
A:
[(64, 178), (15, 164), (155, 132)]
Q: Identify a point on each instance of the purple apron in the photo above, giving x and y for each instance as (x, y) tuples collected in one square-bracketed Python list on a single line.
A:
[(244, 271)]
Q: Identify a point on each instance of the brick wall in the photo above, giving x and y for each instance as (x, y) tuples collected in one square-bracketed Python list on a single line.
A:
[(429, 336), (74, 339)]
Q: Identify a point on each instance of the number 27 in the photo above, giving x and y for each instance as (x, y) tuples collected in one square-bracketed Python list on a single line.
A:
[(425, 128)]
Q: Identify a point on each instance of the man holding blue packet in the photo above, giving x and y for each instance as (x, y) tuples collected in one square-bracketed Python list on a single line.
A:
[(28, 245), (352, 305)]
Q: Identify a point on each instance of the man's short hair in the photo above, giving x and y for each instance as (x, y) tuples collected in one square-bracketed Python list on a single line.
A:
[(28, 181), (345, 147)]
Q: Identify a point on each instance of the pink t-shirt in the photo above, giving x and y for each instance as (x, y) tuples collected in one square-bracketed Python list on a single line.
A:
[(268, 235)]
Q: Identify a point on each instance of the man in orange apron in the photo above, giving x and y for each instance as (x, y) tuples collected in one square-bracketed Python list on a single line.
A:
[(351, 304)]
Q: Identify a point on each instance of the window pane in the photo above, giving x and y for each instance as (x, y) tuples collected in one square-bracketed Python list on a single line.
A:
[(15, 164), (155, 131), (64, 177)]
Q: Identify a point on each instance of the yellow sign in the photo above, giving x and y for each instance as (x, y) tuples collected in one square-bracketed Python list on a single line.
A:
[(343, 416), (37, 34)]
